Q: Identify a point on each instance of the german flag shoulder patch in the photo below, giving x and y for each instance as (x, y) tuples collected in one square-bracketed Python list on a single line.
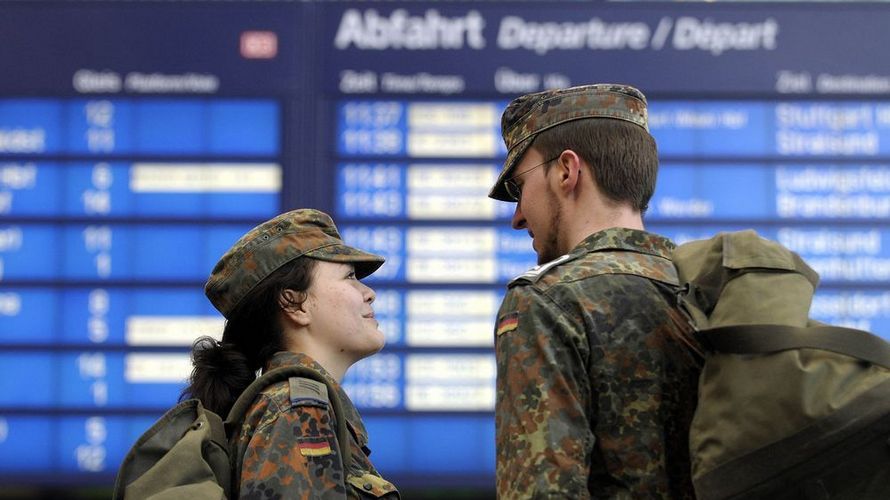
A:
[(314, 447), (507, 323)]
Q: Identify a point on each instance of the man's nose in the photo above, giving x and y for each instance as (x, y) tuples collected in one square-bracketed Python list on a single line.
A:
[(518, 221)]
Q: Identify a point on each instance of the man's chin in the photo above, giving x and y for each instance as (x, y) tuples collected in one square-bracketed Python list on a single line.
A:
[(544, 258)]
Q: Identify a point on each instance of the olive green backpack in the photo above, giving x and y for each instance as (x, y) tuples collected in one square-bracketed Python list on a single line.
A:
[(787, 407), (187, 454)]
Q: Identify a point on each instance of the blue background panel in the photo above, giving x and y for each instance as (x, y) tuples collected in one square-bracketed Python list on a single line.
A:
[(91, 379), (102, 190), (113, 252), (30, 189), (170, 126), (433, 446), (94, 315), (172, 252), (372, 128), (861, 309), (25, 443), (96, 252), (99, 315), (29, 252), (28, 380), (204, 204), (97, 379), (93, 444), (30, 126), (722, 128), (224, 206), (709, 191), (244, 127), (170, 302), (459, 434), (96, 189), (99, 126), (29, 315)]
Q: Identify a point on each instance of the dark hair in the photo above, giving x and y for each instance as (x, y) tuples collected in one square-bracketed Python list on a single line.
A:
[(253, 333), (622, 156)]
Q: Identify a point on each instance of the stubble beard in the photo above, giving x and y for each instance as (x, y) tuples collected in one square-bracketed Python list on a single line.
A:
[(550, 244)]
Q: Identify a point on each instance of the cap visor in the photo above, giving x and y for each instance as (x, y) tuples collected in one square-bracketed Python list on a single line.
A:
[(499, 190), (365, 263)]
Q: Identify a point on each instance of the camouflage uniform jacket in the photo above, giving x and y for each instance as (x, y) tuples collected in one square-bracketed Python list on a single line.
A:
[(289, 448), (594, 395)]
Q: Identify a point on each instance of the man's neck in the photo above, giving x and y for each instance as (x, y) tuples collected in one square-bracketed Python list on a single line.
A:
[(596, 221)]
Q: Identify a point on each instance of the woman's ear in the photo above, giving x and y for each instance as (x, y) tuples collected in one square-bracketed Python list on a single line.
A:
[(293, 307)]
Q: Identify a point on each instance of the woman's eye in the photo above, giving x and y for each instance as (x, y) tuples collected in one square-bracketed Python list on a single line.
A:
[(351, 275)]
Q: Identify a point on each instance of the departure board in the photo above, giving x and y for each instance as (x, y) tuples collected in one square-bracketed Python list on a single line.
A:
[(138, 141)]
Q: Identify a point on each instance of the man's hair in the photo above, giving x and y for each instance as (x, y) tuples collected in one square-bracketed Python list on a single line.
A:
[(623, 157)]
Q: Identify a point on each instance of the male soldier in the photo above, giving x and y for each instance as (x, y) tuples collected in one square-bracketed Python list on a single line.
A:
[(595, 383)]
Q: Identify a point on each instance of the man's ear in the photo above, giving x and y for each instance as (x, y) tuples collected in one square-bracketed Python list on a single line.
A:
[(569, 167), (293, 307)]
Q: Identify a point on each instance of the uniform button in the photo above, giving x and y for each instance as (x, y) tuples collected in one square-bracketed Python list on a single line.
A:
[(367, 486)]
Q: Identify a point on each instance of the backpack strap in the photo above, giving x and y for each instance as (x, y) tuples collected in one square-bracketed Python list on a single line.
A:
[(763, 339), (245, 400)]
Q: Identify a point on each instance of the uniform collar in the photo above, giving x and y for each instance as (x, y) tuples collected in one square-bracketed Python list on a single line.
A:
[(620, 238), (287, 358)]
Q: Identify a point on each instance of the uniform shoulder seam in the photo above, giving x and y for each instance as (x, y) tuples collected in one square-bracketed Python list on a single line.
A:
[(273, 404), (536, 273)]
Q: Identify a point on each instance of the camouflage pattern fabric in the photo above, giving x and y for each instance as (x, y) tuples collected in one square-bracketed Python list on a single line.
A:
[(289, 449), (274, 243), (529, 115), (594, 395)]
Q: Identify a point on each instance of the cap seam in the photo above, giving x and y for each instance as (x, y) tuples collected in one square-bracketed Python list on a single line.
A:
[(582, 90), (240, 257), (260, 244), (322, 246), (586, 117), (370, 255)]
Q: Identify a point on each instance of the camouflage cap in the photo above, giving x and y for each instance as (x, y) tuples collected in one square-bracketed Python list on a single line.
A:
[(529, 115), (276, 242)]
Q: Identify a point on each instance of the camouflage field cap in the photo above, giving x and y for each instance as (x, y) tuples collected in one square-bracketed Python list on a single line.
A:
[(529, 115), (276, 242)]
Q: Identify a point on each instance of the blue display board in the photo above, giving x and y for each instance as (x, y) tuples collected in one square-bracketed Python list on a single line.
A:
[(131, 162)]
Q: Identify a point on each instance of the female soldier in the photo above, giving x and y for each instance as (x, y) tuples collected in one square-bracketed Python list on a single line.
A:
[(291, 295)]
